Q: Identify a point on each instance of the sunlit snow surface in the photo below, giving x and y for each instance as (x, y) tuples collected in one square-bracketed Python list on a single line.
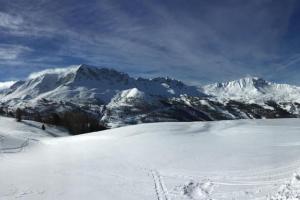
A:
[(245, 159)]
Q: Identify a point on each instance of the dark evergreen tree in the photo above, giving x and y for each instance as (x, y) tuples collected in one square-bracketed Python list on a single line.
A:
[(80, 122), (19, 115), (55, 119)]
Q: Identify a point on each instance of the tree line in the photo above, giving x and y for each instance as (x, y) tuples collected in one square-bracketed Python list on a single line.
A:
[(77, 122)]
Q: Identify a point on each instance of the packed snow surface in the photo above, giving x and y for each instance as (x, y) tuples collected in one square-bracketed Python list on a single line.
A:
[(243, 159)]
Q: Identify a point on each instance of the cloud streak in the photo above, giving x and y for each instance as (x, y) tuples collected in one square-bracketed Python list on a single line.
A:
[(6, 85), (197, 41), (12, 52), (9, 22), (53, 71)]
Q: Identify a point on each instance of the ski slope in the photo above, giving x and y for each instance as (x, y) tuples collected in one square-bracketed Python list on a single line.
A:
[(242, 159)]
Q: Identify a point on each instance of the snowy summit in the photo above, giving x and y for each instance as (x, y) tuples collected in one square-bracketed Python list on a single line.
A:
[(254, 89)]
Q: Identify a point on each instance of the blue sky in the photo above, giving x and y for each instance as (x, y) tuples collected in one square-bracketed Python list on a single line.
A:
[(197, 41)]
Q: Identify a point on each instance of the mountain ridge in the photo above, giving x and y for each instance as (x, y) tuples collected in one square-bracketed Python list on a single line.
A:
[(98, 83), (117, 99), (253, 89)]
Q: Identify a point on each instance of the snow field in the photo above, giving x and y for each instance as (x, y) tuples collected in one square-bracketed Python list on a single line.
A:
[(243, 159)]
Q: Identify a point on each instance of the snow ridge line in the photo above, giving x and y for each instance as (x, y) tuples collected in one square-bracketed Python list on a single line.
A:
[(160, 188)]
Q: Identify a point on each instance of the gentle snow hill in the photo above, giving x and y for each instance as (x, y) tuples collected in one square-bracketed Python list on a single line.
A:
[(254, 90), (14, 137), (242, 159)]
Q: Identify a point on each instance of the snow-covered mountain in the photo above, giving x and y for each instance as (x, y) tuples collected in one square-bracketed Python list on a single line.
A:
[(117, 99), (254, 90), (87, 84)]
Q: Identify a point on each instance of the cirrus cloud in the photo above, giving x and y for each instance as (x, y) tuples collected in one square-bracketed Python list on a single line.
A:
[(196, 41)]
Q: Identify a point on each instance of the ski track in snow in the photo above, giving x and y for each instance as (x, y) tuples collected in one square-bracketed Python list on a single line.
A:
[(205, 188), (229, 185), (15, 149), (160, 188), (232, 181)]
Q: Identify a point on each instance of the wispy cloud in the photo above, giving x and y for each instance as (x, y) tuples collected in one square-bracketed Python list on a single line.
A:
[(12, 52), (5, 85), (9, 21), (53, 71), (197, 41)]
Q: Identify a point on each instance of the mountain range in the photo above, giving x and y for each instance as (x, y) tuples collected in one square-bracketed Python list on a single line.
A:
[(117, 99)]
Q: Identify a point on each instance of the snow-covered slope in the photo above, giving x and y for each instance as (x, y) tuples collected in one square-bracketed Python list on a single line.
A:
[(254, 90), (14, 137), (242, 159)]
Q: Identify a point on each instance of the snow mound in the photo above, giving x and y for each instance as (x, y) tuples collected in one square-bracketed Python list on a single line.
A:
[(198, 190), (289, 191)]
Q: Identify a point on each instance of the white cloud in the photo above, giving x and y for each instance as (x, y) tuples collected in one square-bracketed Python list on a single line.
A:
[(54, 71), (7, 84), (205, 42), (12, 52), (10, 21)]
